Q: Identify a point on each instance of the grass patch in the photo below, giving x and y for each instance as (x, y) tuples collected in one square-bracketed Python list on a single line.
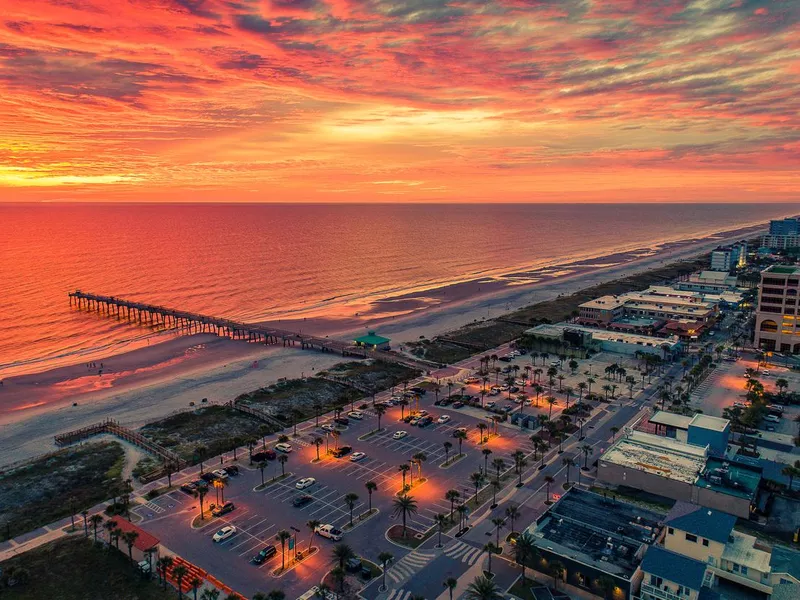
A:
[(410, 539), (372, 376), (41, 492), (270, 482), (641, 498), (453, 460), (301, 399), (216, 428), (75, 569), (366, 436), (358, 520)]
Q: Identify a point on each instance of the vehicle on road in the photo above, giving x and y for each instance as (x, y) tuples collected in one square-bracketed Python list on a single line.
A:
[(342, 451), (221, 474), (224, 533), (772, 418), (223, 509), (399, 435), (264, 555), (356, 414), (328, 531), (357, 456), (740, 405), (283, 447), (506, 358), (443, 419), (264, 455), (305, 482), (302, 500)]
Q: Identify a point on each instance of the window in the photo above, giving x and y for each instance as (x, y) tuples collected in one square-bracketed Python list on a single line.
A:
[(671, 531), (735, 567), (744, 570), (691, 538), (656, 581), (705, 542)]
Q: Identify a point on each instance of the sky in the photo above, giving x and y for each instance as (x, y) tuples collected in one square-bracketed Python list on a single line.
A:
[(400, 101)]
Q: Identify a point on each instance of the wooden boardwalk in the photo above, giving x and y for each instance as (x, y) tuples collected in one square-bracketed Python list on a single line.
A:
[(169, 318)]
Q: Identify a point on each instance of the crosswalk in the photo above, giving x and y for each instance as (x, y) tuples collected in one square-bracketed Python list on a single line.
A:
[(400, 594), (410, 564), (154, 507), (465, 552)]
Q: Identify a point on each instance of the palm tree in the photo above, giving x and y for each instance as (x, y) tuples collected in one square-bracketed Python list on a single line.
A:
[(379, 411), (486, 452), (548, 480), (418, 459), (499, 464), (196, 582), (524, 549), (491, 550), (219, 486), (614, 431), (481, 428), (589, 382), (282, 537), (404, 506), (95, 520), (200, 452), (512, 514), (477, 480), (350, 501), (371, 487), (341, 553), (263, 465), (384, 558), (440, 521), (551, 401), (447, 447), (587, 451), (499, 523), (179, 573), (110, 526), (460, 436), (450, 583), (283, 459), (404, 468), (483, 588), (166, 564), (317, 442), (568, 462), (451, 496), (130, 540), (201, 494)]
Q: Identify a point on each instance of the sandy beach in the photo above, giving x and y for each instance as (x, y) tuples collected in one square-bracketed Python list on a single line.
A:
[(145, 384)]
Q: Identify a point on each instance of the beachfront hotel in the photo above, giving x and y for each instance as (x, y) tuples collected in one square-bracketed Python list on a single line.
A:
[(776, 317)]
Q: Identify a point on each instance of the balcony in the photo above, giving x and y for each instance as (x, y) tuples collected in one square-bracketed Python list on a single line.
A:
[(654, 592)]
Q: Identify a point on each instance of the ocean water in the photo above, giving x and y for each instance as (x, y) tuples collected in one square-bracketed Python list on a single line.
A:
[(264, 262)]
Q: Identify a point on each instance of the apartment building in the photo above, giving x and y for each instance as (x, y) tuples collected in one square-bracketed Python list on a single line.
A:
[(776, 317), (671, 576)]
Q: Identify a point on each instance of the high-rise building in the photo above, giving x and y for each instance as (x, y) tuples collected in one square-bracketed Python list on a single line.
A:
[(776, 317), (729, 257), (784, 227)]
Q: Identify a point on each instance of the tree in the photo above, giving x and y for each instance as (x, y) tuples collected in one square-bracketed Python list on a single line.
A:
[(491, 550), (587, 451), (179, 573), (282, 536), (404, 506), (548, 480), (371, 487), (379, 411), (477, 480), (499, 464), (557, 571), (499, 523), (440, 521), (614, 431), (404, 468), (460, 436), (551, 401), (524, 550), (486, 453), (201, 494), (418, 459), (312, 527), (209, 594), (263, 465), (341, 553), (200, 453), (166, 565), (450, 584), (568, 462), (317, 442), (350, 501), (451, 496), (110, 526), (283, 459), (130, 539), (781, 384), (384, 558), (196, 582), (339, 575), (447, 447), (512, 514), (95, 520), (483, 588), (481, 428), (462, 511)]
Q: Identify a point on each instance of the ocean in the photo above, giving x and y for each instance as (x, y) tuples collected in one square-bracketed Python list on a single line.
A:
[(266, 262)]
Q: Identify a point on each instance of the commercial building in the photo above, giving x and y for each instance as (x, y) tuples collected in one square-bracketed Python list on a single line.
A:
[(776, 316), (784, 227), (780, 242), (708, 282), (658, 302), (373, 341), (595, 537), (682, 471), (728, 258), (698, 430), (606, 340)]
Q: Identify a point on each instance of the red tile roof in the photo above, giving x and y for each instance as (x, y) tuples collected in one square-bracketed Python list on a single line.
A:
[(145, 541)]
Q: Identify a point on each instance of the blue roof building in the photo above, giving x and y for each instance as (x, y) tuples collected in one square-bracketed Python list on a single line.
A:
[(701, 521), (666, 571)]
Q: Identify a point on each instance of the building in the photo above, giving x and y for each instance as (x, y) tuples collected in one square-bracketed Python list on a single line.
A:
[(728, 258), (682, 471), (708, 282), (373, 341), (671, 576), (784, 227), (606, 340), (595, 537), (780, 242), (145, 546), (776, 315), (604, 309), (658, 302), (698, 430)]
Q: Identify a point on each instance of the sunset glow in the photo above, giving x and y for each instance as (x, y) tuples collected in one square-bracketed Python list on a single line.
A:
[(382, 100)]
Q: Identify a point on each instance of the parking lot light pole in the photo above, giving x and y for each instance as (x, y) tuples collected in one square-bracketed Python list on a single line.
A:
[(296, 531)]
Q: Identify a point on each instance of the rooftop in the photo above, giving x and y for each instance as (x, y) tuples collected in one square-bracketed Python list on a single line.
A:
[(605, 302), (603, 335), (144, 541), (663, 417), (372, 339), (730, 478), (597, 530), (674, 567), (785, 560), (701, 521), (741, 549), (657, 455), (783, 270), (707, 422)]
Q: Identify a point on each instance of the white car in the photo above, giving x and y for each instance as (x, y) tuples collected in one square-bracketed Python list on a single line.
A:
[(305, 482), (443, 419), (772, 419), (328, 531), (224, 533), (765, 373), (328, 427), (357, 456), (356, 414), (282, 447), (399, 435), (221, 474)]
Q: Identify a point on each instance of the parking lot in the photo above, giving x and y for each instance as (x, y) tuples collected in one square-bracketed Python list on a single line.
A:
[(259, 515)]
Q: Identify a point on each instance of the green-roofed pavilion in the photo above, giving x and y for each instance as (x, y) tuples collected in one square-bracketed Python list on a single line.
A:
[(373, 341)]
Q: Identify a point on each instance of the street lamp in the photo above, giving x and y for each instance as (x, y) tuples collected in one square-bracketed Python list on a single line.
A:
[(296, 531)]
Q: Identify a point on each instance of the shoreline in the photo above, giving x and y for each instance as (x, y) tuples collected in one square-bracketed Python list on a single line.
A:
[(148, 383)]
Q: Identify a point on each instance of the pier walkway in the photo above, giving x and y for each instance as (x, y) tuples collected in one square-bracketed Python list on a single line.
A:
[(170, 318)]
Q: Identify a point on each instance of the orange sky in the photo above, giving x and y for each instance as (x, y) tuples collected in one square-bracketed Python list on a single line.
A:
[(415, 100)]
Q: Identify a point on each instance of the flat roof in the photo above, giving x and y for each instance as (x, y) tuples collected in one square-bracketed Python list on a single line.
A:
[(604, 335), (783, 270), (741, 549), (734, 479), (657, 455), (602, 532), (708, 422), (606, 302), (663, 417)]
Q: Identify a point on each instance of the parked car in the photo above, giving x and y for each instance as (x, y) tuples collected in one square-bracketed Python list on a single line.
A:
[(461, 429), (357, 456), (221, 474), (328, 531), (775, 408), (356, 414), (342, 421), (224, 533), (422, 413), (491, 404), (305, 482), (232, 470), (302, 500), (443, 419), (263, 455), (264, 555), (505, 358), (208, 477), (189, 488), (425, 421), (419, 390), (223, 509), (283, 447), (342, 451), (513, 389), (414, 421), (765, 373), (458, 404), (399, 435), (508, 408), (772, 418), (328, 427), (200, 483)]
